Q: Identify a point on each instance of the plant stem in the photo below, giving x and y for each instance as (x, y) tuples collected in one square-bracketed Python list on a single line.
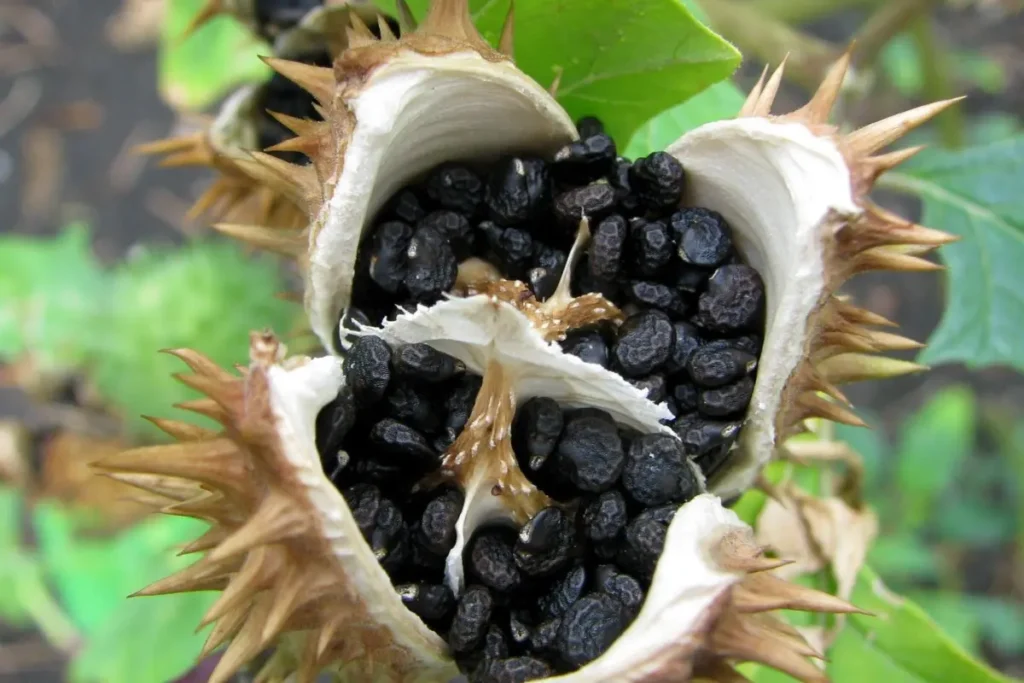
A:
[(770, 40), (886, 23), (937, 69)]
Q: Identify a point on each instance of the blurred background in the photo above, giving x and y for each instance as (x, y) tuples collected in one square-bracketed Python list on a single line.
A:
[(100, 267)]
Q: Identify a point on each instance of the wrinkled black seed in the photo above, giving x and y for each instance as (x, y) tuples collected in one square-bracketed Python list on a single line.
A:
[(584, 160), (628, 202), (515, 249), (593, 201), (649, 294), (727, 400), (411, 405), (389, 537), (703, 236), (432, 265), (495, 643), (455, 187), (368, 369), (734, 300), (588, 346), (751, 343), (405, 206), (402, 441), (644, 343), (536, 430), (657, 472), (689, 279), (472, 615), (685, 395), (459, 403), (589, 125), (334, 422), (388, 258), (686, 339), (604, 516), (548, 264), (607, 246), (437, 525), (590, 453), (658, 179), (701, 436), (564, 593), (431, 602), (650, 247), (454, 227), (425, 363), (713, 366), (589, 628), (653, 385), (511, 670), (363, 500), (623, 587), (518, 188), (543, 637), (645, 539), (544, 543), (490, 560)]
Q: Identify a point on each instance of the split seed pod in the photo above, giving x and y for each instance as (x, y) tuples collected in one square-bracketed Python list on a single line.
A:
[(285, 550)]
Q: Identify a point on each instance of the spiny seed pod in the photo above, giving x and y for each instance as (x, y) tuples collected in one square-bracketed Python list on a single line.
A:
[(555, 362)]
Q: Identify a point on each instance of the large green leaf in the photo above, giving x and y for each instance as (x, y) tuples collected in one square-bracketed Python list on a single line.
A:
[(720, 101), (50, 293), (975, 193), (621, 60), (196, 71)]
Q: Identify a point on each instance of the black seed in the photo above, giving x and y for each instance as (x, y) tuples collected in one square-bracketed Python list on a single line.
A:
[(734, 300), (700, 436), (605, 516), (620, 586), (495, 644), (334, 422), (518, 628), (688, 279), (511, 670), (703, 236), (655, 295), (686, 396), (543, 637), (472, 615), (584, 160), (456, 188), (410, 405), (388, 259), (402, 441), (517, 189), (644, 343), (606, 248), (645, 539), (432, 265), (564, 593), (728, 400), (536, 430), (589, 125), (459, 403), (593, 201), (364, 501), (589, 628), (588, 346), (711, 366), (650, 247), (405, 206), (425, 363), (751, 343), (653, 385), (368, 369), (381, 473), (658, 179), (389, 538), (547, 271), (628, 202), (454, 227), (590, 454), (431, 602), (490, 560), (686, 340), (657, 471), (544, 543), (514, 249), (437, 526)]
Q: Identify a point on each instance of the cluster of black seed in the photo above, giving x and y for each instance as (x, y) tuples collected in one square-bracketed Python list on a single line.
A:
[(694, 312), (545, 598)]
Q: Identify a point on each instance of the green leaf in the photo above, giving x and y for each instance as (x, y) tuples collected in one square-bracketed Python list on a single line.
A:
[(906, 638), (196, 71), (954, 613), (207, 296), (935, 443), (51, 291), (975, 193), (622, 60), (720, 101), (904, 557)]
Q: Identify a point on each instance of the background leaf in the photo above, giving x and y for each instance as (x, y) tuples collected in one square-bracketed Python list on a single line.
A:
[(720, 101), (975, 193)]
